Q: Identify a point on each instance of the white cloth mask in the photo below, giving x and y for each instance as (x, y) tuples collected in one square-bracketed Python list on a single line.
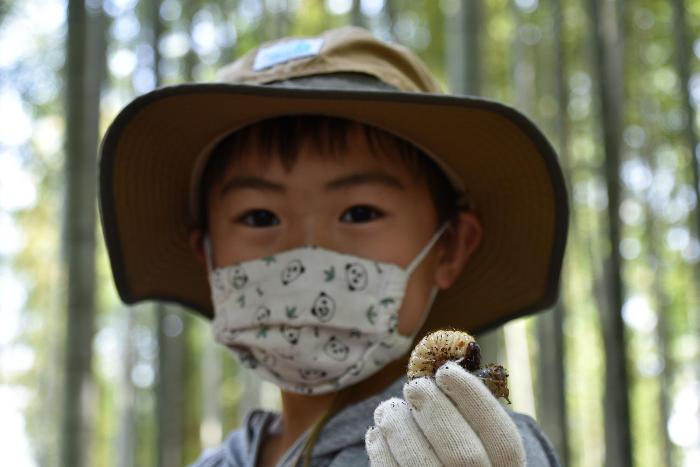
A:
[(312, 320)]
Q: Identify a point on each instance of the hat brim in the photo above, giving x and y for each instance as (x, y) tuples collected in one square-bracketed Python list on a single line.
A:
[(506, 163)]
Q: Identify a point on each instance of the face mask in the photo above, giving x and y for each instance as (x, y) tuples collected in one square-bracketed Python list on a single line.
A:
[(312, 320)]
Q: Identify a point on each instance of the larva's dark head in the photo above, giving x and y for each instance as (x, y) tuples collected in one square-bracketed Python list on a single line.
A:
[(472, 359)]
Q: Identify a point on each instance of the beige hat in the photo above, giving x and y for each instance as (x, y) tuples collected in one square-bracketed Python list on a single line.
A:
[(155, 148)]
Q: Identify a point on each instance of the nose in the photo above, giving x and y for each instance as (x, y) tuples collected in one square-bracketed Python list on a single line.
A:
[(309, 230)]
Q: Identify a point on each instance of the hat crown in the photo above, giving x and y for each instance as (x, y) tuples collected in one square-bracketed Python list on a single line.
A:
[(150, 156), (348, 49)]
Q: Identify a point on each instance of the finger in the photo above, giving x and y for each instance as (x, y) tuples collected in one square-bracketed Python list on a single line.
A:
[(484, 413), (407, 444), (378, 449), (453, 440)]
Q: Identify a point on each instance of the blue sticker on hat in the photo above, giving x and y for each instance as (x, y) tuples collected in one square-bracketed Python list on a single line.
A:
[(286, 51)]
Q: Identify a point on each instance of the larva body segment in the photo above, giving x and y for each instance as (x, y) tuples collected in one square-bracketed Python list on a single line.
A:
[(437, 348), (442, 346)]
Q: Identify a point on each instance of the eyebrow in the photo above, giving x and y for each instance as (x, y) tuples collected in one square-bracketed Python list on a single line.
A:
[(238, 183), (364, 178), (346, 181)]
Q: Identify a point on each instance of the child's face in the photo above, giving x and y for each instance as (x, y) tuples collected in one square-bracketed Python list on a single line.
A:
[(359, 204)]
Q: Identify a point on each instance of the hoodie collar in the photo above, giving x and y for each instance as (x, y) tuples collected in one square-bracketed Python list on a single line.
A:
[(348, 427)]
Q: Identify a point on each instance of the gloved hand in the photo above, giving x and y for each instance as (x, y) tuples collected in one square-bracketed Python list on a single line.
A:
[(453, 420)]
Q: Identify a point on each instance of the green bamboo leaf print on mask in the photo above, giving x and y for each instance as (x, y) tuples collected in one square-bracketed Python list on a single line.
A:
[(371, 314)]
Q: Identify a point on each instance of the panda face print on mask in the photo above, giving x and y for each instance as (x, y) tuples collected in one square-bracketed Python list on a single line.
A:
[(312, 320), (323, 307), (336, 349), (292, 271), (356, 276)]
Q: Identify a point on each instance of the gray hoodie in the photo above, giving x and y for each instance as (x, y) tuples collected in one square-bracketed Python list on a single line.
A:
[(342, 441)]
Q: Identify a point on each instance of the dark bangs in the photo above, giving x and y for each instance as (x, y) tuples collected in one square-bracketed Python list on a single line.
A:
[(282, 139)]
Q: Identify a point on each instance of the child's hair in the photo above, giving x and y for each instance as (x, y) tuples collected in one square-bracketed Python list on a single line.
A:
[(281, 138)]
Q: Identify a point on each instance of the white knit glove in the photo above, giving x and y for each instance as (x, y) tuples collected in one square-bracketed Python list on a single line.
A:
[(453, 420)]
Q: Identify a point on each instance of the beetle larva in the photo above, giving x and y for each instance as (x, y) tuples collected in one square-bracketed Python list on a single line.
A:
[(439, 347)]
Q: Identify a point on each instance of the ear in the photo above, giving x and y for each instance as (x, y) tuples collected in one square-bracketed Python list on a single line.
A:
[(460, 241), (197, 244)]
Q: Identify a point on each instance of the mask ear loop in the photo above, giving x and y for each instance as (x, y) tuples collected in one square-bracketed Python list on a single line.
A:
[(433, 294), (207, 254), (414, 264), (426, 311), (426, 249)]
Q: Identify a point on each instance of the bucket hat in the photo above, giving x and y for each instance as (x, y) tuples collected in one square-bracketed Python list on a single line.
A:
[(155, 148)]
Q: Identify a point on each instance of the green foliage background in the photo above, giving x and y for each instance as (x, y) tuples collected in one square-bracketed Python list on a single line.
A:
[(659, 244)]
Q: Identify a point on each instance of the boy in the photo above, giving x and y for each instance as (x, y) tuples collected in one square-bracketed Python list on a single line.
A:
[(327, 193)]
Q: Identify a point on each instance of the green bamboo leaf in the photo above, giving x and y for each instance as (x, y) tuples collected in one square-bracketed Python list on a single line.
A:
[(371, 315)]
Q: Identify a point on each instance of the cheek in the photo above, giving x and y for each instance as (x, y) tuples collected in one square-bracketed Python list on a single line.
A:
[(226, 243), (232, 242), (221, 238), (413, 311)]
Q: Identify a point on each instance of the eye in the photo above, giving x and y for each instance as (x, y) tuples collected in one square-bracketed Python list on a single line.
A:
[(361, 213), (259, 218)]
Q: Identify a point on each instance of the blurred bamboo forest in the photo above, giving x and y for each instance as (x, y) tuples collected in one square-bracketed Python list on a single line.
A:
[(612, 372)]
